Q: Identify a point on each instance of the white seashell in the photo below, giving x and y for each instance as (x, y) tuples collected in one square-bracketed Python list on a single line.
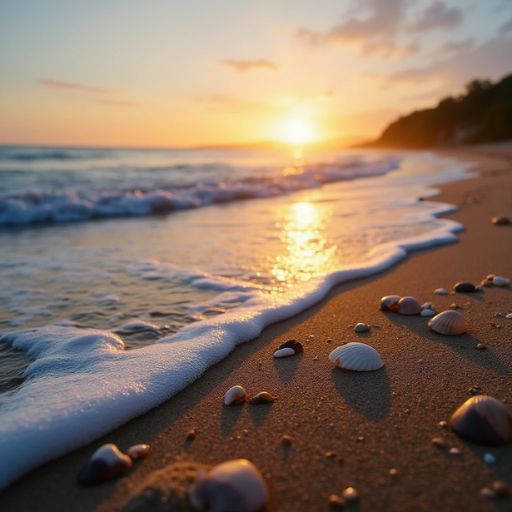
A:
[(361, 327), (138, 451), (389, 302), (500, 281), (449, 322), (409, 306), (235, 395), (509, 316), (441, 291), (427, 312), (356, 356), (284, 352), (105, 463), (232, 485)]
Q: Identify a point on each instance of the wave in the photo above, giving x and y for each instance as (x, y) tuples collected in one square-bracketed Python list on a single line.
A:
[(12, 154), (36, 207)]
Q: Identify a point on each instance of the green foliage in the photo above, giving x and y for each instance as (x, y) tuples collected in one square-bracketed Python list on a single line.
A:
[(482, 114)]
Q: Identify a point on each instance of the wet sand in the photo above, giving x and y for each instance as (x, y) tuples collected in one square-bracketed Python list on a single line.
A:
[(348, 429)]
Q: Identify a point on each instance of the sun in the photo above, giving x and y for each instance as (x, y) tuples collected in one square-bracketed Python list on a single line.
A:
[(297, 130)]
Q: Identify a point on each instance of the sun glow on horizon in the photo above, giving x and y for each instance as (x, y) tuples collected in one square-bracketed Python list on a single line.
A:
[(297, 130)]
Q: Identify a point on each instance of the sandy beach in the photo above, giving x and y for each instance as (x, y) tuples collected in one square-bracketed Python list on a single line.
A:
[(347, 429)]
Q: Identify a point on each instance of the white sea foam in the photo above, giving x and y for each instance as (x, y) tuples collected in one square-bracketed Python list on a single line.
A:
[(101, 386)]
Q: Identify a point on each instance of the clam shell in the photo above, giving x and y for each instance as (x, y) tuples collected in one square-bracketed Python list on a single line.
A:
[(483, 420), (500, 281), (235, 485), (464, 287), (449, 322), (105, 463), (441, 291), (138, 451), (409, 306), (235, 395), (390, 303), (284, 352), (296, 345), (427, 312), (357, 357)]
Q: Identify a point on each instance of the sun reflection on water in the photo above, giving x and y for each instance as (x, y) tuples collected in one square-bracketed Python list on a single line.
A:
[(308, 252)]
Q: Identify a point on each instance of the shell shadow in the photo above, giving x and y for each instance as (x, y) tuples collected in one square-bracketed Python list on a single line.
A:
[(287, 367), (229, 418), (368, 393), (463, 344), (258, 413)]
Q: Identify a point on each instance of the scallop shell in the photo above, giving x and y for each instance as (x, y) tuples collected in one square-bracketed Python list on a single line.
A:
[(138, 451), (105, 463), (296, 345), (449, 322), (357, 357), (409, 306), (500, 281), (390, 303), (235, 396), (233, 485), (483, 420), (284, 352)]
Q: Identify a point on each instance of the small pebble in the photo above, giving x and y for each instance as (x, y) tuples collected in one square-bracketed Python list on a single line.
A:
[(481, 346), (439, 442), (454, 306), (287, 440), (360, 327), (330, 455), (455, 451), (441, 291), (443, 424), (393, 472), (336, 501), (509, 316), (360, 438), (487, 493), (489, 458), (350, 494), (501, 220), (500, 488), (138, 451), (192, 434)]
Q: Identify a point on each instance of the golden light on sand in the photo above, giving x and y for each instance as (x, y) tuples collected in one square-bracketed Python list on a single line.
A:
[(297, 130)]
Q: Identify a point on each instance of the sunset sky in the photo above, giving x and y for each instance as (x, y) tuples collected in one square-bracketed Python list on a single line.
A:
[(179, 73)]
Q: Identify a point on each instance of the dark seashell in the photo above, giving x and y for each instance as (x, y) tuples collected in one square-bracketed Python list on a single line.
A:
[(106, 462), (464, 287), (501, 220), (483, 419), (409, 306), (263, 397), (233, 486), (390, 303), (293, 344)]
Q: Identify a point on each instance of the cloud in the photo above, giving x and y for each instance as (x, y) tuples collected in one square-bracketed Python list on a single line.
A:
[(454, 46), (116, 103), (71, 86), (506, 27), (437, 16), (373, 35), (246, 65)]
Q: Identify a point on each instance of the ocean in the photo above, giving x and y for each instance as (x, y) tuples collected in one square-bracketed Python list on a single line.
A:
[(127, 273)]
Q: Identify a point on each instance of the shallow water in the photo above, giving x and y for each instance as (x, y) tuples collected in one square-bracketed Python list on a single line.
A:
[(208, 277)]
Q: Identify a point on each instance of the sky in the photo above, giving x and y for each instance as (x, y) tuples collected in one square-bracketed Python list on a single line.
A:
[(184, 73)]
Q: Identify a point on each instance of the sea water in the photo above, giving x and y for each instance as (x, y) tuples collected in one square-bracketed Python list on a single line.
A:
[(127, 273)]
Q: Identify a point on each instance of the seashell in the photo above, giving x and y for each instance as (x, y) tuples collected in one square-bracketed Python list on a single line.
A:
[(262, 398), (409, 306), (441, 291), (390, 303), (508, 316), (361, 327), (464, 287), (357, 357), (284, 352), (138, 451), (500, 220), (500, 281), (235, 396), (448, 322), (483, 420), (105, 463), (427, 312), (350, 494), (296, 345), (235, 485), (427, 305)]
